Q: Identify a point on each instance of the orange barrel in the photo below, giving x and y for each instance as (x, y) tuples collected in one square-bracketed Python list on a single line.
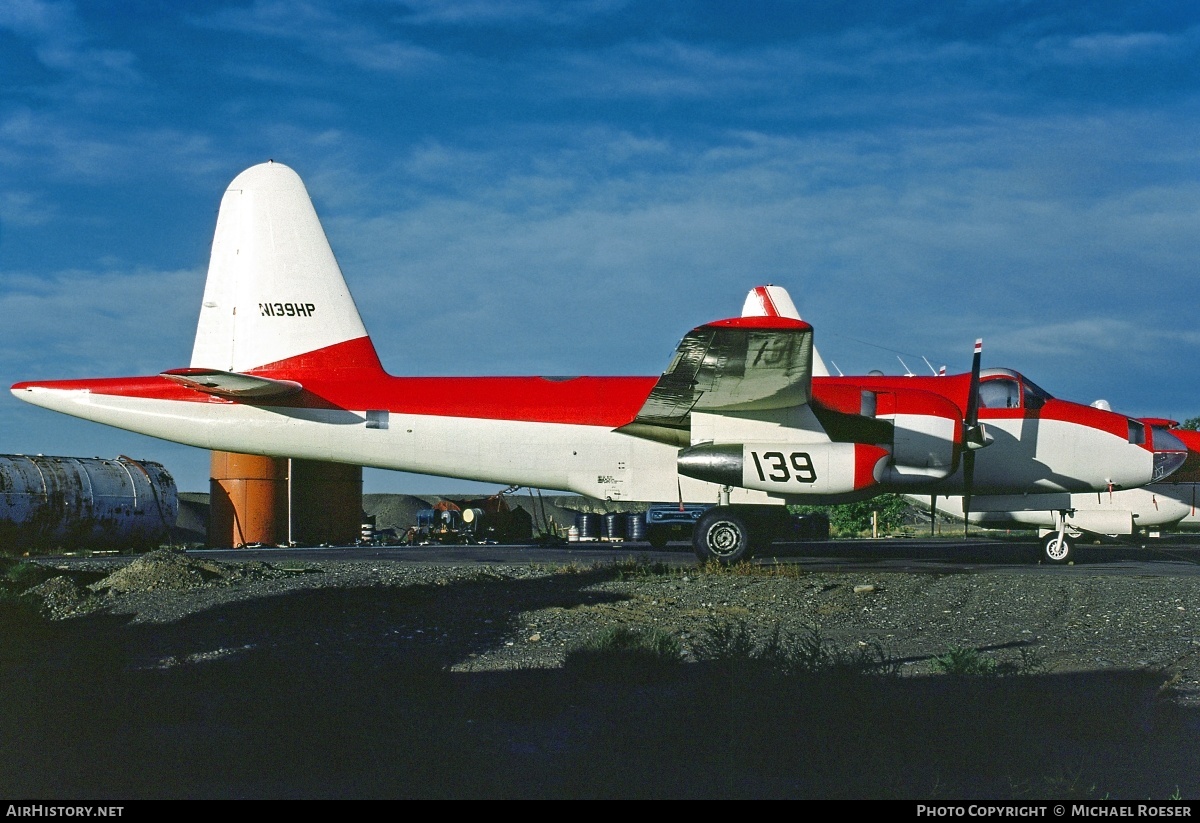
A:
[(247, 500), (326, 503)]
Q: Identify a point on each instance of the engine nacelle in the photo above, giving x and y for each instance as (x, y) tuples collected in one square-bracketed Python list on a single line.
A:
[(926, 431), (787, 468)]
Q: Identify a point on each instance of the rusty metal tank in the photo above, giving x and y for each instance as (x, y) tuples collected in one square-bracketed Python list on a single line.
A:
[(276, 501), (247, 500), (70, 503)]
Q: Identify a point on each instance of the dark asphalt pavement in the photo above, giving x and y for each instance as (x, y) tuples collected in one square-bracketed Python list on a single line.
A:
[(1172, 555)]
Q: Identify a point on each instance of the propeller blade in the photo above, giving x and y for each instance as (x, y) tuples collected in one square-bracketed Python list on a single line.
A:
[(972, 418), (972, 435)]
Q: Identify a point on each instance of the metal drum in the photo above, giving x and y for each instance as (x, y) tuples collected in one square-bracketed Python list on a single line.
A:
[(635, 526), (613, 526), (588, 525)]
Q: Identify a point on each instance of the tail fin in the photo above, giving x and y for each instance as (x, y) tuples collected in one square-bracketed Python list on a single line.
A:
[(274, 290), (774, 301)]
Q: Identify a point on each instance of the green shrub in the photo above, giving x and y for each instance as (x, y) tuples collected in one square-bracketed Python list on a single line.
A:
[(964, 660), (622, 650), (968, 661), (854, 519), (26, 575), (807, 653)]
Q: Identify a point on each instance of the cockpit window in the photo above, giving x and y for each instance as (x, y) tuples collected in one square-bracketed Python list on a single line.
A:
[(1000, 393), (1034, 390), (1164, 441)]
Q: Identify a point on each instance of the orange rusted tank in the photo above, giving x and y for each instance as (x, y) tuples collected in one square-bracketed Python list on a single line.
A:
[(247, 500), (277, 501)]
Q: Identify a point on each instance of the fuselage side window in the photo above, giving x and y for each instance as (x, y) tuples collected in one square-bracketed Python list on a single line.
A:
[(1137, 433)]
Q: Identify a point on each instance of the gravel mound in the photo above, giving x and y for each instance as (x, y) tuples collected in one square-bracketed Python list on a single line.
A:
[(58, 597), (175, 570)]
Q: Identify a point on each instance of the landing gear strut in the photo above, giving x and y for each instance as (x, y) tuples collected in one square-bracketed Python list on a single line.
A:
[(1058, 547)]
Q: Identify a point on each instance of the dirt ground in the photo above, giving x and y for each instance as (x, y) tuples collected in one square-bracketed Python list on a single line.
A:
[(176, 677)]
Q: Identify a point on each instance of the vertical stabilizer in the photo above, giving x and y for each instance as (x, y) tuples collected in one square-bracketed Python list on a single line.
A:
[(774, 301), (274, 289)]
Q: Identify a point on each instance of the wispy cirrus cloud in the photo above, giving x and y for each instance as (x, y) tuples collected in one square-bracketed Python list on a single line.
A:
[(329, 32)]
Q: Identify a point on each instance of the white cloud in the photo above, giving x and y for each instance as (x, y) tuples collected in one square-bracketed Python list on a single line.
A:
[(22, 208), (510, 12), (103, 323), (61, 42), (39, 20), (1117, 47), (334, 34)]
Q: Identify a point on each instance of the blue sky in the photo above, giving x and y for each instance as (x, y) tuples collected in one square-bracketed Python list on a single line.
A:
[(527, 187)]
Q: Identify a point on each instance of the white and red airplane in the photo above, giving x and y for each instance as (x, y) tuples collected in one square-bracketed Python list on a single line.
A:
[(745, 417), (1063, 518)]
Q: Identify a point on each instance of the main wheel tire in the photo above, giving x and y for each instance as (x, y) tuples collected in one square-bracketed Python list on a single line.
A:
[(1056, 550), (722, 535)]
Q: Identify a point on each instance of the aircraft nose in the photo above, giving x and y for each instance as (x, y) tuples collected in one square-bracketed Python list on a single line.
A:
[(1166, 463)]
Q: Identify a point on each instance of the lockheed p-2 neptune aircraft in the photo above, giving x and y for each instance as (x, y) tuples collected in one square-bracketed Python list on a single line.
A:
[(282, 365)]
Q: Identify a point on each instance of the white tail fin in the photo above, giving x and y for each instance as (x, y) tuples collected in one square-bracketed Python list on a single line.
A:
[(774, 301), (274, 289)]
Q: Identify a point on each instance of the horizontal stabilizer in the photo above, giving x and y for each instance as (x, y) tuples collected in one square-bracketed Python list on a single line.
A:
[(231, 384)]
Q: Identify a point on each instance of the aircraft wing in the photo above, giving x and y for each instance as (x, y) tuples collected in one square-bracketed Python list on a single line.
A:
[(232, 384), (741, 364)]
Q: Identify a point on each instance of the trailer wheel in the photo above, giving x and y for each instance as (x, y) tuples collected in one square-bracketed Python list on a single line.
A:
[(1058, 550), (722, 535)]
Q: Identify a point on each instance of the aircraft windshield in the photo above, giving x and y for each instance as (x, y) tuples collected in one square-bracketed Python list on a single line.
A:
[(1164, 441), (1000, 393), (1010, 390), (1034, 390)]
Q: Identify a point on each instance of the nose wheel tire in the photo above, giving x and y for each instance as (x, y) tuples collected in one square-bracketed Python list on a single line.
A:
[(1057, 549)]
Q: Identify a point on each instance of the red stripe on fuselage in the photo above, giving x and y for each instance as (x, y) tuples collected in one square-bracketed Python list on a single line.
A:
[(956, 387)]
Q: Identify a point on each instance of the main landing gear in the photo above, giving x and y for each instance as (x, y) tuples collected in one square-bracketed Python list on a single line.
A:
[(733, 533)]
